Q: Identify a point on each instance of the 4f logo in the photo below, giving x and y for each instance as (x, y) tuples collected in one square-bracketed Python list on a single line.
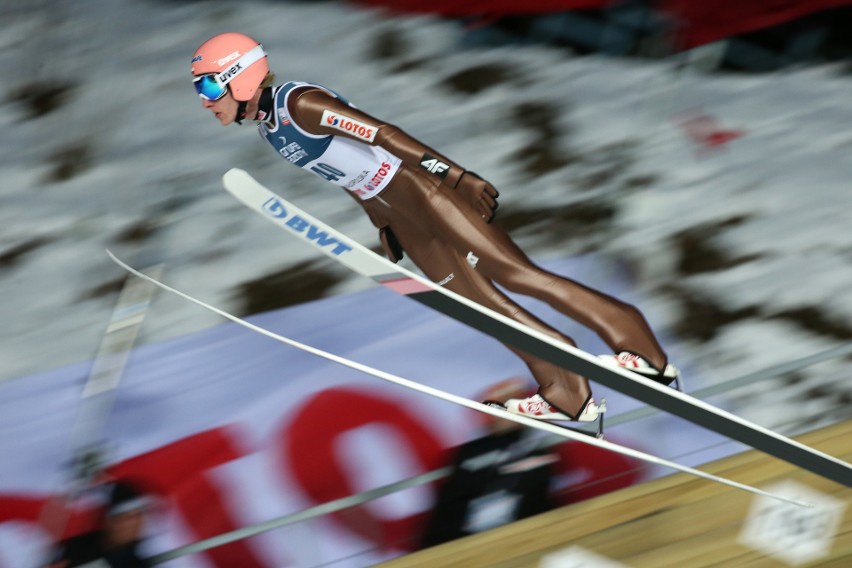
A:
[(435, 166)]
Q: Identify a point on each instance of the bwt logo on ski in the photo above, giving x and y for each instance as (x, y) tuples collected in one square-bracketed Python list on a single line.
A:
[(349, 125), (305, 228)]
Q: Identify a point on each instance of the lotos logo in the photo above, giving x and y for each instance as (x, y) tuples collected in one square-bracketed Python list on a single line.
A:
[(196, 58), (308, 231), (349, 125), (228, 58), (377, 179)]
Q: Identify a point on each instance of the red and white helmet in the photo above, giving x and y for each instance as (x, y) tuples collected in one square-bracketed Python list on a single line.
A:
[(229, 60)]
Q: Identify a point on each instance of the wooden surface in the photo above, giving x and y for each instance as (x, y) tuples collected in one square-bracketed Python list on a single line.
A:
[(676, 521)]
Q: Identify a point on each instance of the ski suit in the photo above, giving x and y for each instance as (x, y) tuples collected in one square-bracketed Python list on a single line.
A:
[(440, 215)]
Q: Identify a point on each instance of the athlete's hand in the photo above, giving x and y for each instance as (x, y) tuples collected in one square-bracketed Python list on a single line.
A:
[(479, 193)]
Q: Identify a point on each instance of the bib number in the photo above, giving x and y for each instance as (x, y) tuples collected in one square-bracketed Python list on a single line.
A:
[(329, 173)]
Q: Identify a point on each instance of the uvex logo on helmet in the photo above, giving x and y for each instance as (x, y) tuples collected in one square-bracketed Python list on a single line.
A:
[(230, 73), (228, 58)]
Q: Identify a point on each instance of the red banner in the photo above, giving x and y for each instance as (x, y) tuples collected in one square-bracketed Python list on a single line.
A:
[(224, 429), (492, 8), (706, 21), (700, 21)]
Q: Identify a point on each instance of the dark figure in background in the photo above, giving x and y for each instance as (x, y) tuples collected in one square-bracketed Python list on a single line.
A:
[(115, 543), (497, 479)]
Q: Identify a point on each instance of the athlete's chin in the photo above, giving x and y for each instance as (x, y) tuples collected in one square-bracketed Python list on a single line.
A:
[(223, 119)]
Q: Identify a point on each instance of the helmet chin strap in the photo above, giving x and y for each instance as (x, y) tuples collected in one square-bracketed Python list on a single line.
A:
[(241, 113), (264, 105), (262, 109)]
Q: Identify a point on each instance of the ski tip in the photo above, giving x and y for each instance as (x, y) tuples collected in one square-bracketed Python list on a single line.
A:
[(233, 172)]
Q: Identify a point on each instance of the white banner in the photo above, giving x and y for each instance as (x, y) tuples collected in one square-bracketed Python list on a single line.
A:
[(227, 428)]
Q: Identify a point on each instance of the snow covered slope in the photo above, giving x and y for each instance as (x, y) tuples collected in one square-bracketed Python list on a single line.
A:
[(742, 251)]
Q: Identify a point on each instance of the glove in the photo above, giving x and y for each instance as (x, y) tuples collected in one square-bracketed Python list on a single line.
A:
[(479, 193), (390, 244)]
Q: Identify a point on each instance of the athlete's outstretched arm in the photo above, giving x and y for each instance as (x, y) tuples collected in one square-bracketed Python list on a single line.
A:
[(308, 105)]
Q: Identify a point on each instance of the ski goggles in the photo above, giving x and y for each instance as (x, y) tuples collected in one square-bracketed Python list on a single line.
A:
[(209, 87), (213, 86)]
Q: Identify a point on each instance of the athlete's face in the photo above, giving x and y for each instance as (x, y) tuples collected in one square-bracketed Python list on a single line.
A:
[(225, 109)]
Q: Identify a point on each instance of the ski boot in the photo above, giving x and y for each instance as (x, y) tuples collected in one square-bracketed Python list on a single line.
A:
[(632, 362), (536, 407)]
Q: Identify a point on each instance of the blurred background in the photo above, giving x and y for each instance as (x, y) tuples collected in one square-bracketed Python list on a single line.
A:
[(691, 157)]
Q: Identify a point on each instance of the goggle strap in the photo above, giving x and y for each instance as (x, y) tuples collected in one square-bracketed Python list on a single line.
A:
[(252, 56)]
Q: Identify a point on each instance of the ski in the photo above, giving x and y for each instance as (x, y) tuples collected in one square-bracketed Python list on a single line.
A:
[(87, 447), (569, 433), (99, 392), (348, 252)]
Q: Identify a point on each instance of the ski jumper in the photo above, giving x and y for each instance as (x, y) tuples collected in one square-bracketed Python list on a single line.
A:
[(440, 215)]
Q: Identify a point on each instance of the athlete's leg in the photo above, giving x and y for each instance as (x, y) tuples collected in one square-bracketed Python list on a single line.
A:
[(621, 325), (567, 391)]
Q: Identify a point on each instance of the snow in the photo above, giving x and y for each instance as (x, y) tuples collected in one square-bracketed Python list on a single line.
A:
[(153, 159)]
